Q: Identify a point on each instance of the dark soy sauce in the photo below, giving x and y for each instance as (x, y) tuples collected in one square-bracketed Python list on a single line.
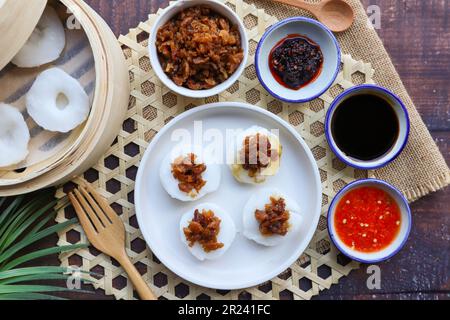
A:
[(365, 127)]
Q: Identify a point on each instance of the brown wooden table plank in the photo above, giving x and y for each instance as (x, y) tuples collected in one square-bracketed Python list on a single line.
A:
[(417, 35)]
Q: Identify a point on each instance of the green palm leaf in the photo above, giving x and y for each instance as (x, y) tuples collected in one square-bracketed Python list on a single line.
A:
[(34, 277), (23, 288), (30, 271), (4, 222), (32, 238), (41, 253), (23, 222), (15, 230), (28, 296)]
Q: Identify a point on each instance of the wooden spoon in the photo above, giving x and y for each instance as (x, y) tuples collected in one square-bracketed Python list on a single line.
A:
[(337, 15)]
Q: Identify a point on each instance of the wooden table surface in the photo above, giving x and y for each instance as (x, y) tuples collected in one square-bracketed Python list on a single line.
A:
[(417, 35)]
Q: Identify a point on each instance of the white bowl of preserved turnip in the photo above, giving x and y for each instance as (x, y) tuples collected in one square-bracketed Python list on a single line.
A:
[(60, 74), (198, 48)]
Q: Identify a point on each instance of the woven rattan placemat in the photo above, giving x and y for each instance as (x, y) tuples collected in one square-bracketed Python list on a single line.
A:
[(151, 106)]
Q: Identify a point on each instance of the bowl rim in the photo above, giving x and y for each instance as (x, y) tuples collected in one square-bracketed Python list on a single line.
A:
[(280, 24), (157, 68), (331, 213), (335, 148)]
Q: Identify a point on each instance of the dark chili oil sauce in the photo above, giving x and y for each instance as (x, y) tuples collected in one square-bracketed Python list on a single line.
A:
[(296, 61), (365, 127)]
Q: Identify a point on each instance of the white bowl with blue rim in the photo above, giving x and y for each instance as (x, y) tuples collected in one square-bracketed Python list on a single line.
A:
[(313, 30), (403, 120), (399, 241), (171, 11)]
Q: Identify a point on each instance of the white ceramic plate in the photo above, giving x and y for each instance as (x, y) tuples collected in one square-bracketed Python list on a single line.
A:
[(246, 263)]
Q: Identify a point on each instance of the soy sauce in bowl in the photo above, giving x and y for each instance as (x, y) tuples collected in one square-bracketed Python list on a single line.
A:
[(365, 127)]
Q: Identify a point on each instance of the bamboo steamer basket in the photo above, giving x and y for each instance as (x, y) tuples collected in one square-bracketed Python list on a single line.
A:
[(17, 21), (109, 106), (20, 174)]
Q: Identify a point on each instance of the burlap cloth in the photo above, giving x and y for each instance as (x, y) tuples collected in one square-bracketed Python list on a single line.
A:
[(419, 170)]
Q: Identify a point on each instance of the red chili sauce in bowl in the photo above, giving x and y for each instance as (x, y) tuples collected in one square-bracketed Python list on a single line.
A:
[(296, 61), (367, 219)]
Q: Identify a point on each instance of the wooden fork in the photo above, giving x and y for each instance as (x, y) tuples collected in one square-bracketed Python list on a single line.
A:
[(106, 232)]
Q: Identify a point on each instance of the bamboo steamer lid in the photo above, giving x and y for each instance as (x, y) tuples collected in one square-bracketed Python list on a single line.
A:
[(110, 101), (17, 22)]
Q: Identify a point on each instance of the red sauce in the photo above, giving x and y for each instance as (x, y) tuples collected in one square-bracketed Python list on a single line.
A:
[(367, 219), (296, 61)]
